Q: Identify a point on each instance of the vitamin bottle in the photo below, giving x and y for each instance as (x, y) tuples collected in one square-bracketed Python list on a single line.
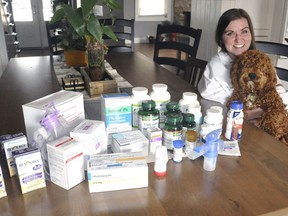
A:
[(234, 121), (191, 138), (198, 117), (172, 107), (188, 123), (161, 97), (139, 94), (187, 98), (178, 150), (148, 116), (172, 130)]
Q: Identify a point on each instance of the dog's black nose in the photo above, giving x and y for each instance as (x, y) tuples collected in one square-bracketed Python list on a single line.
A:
[(252, 76)]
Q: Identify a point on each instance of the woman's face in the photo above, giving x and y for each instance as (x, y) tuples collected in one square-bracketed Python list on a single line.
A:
[(237, 37)]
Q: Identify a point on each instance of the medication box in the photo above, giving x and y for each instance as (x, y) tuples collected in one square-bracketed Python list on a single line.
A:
[(116, 112), (29, 169), (130, 141), (66, 162), (12, 143), (92, 134), (69, 104), (120, 171), (2, 185), (155, 138)]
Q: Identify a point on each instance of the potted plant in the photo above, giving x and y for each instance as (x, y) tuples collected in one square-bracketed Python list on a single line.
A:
[(86, 24)]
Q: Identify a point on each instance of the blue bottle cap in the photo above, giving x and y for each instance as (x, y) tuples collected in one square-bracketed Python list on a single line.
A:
[(236, 105), (178, 143)]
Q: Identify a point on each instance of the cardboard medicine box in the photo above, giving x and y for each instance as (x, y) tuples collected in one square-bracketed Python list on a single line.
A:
[(119, 171), (2, 185), (116, 112), (69, 104), (29, 169), (66, 162), (92, 134), (12, 143), (130, 141)]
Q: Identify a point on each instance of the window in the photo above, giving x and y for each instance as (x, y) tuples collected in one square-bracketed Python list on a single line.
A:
[(153, 10)]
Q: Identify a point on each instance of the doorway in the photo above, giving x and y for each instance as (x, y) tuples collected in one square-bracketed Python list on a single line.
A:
[(29, 17)]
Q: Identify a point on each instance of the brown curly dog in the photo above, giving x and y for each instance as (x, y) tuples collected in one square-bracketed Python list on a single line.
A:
[(254, 80)]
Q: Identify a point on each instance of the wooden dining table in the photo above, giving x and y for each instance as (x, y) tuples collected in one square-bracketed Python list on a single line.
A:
[(251, 184)]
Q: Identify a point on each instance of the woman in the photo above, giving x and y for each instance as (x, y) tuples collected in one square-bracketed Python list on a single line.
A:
[(234, 35)]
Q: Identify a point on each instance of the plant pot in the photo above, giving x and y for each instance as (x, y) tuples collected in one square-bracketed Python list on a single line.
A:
[(76, 58), (96, 52)]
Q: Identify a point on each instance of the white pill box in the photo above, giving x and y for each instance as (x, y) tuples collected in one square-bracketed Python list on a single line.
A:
[(2, 185), (66, 162), (12, 143), (29, 169), (93, 135), (119, 171), (130, 141), (155, 138)]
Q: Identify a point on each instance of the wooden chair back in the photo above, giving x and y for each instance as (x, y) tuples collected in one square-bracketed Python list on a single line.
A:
[(124, 31), (53, 36), (194, 70), (178, 39), (275, 49)]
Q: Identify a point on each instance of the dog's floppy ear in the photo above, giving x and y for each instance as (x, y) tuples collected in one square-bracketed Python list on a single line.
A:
[(235, 74), (270, 72)]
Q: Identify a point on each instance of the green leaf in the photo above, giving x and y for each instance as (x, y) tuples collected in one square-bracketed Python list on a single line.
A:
[(112, 4), (94, 28), (87, 7), (108, 31)]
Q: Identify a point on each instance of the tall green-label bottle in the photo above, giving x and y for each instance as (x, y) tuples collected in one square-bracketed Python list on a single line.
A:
[(172, 130), (148, 117)]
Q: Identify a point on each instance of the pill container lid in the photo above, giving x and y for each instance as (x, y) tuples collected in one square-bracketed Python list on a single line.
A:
[(148, 104), (178, 143), (189, 96), (236, 105), (173, 105), (159, 87), (139, 91), (173, 118), (188, 117)]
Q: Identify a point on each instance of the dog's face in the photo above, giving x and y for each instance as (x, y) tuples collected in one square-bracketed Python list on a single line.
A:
[(253, 71)]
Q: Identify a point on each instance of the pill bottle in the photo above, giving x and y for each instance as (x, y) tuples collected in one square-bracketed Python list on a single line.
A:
[(219, 108), (139, 94), (161, 97), (172, 130), (172, 107), (198, 117), (188, 123), (191, 138), (178, 150), (148, 116), (187, 98), (213, 116), (234, 121), (161, 159)]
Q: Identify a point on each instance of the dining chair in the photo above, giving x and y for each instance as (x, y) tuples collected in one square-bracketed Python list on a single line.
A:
[(179, 40), (124, 31), (54, 37), (194, 70), (275, 49)]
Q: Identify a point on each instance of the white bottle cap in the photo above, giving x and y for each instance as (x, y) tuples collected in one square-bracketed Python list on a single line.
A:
[(189, 96), (139, 91), (159, 87), (213, 112), (217, 108)]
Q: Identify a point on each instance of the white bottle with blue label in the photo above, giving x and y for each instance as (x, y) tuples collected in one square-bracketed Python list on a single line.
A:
[(234, 121)]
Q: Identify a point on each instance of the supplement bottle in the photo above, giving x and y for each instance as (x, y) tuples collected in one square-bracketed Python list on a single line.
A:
[(191, 138), (148, 116), (139, 94), (188, 123), (178, 150), (198, 117), (187, 98), (161, 97), (172, 107), (234, 121), (172, 130)]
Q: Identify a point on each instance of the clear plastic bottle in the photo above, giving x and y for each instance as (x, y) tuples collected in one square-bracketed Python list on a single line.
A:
[(139, 94), (148, 116), (188, 123), (161, 97), (172, 130), (187, 98), (234, 121)]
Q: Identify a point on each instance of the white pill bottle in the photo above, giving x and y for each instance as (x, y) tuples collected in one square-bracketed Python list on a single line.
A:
[(161, 97), (139, 94), (187, 98), (234, 121)]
